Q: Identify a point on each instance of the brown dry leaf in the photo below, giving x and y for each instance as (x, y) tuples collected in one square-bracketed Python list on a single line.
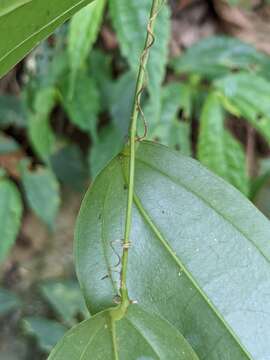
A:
[(192, 20), (252, 26), (11, 161), (109, 38)]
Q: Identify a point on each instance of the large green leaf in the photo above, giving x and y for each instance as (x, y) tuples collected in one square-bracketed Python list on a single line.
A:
[(139, 335), (199, 256), (23, 23), (217, 149), (249, 94), (220, 55), (10, 216), (83, 32), (130, 19)]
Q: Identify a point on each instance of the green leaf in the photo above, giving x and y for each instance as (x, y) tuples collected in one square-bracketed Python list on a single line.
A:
[(219, 55), (70, 167), (199, 256), (39, 130), (84, 106), (10, 216), (121, 101), (66, 299), (250, 95), (108, 145), (100, 65), (139, 335), (130, 20), (24, 23), (217, 149), (163, 125), (8, 301), (46, 332), (12, 111), (263, 177), (42, 192), (7, 144), (83, 31)]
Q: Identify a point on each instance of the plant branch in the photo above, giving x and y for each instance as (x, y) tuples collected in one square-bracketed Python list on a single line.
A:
[(140, 84)]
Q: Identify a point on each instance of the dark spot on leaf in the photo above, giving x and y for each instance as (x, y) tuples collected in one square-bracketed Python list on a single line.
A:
[(125, 187), (99, 216), (177, 147)]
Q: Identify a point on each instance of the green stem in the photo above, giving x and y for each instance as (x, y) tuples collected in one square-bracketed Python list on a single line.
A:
[(132, 145)]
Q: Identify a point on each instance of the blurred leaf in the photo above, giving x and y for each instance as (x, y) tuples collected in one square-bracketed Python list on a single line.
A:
[(138, 335), (217, 149), (260, 181), (7, 144), (24, 23), (250, 95), (12, 111), (83, 31), (49, 64), (3, 172), (46, 332), (180, 137), (121, 101), (219, 55), (262, 198), (42, 192), (130, 21), (66, 299), (11, 208), (163, 126), (84, 106), (109, 144), (100, 64), (40, 132), (8, 301), (70, 167)]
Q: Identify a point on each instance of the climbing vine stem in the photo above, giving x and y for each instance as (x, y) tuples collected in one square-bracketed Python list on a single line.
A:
[(140, 84)]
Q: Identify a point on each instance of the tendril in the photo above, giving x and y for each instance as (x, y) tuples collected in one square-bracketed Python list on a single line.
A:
[(142, 62)]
